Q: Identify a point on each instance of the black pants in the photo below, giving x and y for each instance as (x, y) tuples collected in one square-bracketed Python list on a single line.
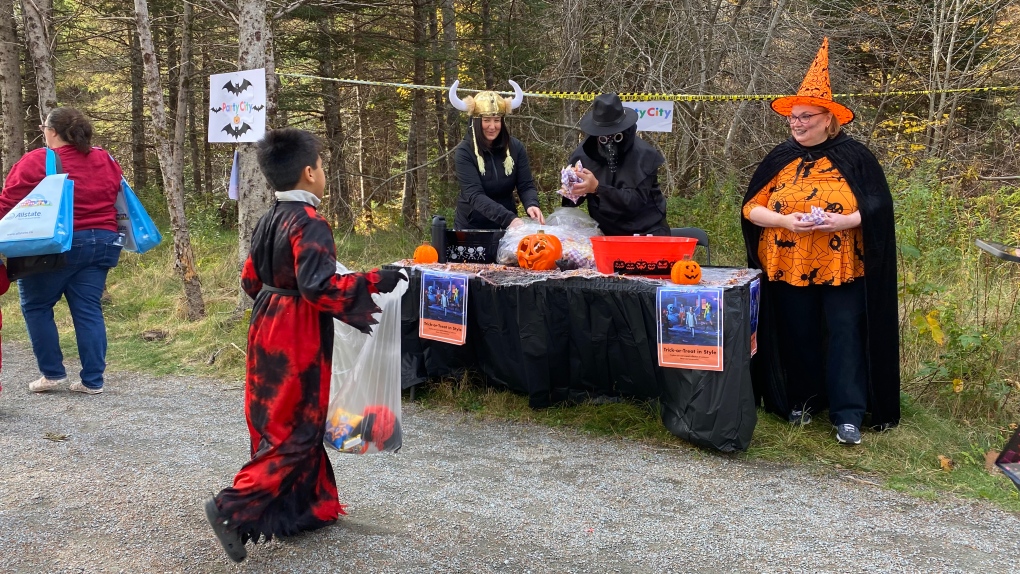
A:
[(822, 334)]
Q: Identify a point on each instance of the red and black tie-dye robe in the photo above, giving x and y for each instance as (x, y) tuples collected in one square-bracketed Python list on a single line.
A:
[(288, 485)]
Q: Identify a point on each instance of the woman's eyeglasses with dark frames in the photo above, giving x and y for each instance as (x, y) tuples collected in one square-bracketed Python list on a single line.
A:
[(802, 119)]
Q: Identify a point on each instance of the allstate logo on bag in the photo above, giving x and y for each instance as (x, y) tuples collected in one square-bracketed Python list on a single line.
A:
[(33, 207), (42, 222)]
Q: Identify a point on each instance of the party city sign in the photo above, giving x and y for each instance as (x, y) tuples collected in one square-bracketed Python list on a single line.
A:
[(653, 116)]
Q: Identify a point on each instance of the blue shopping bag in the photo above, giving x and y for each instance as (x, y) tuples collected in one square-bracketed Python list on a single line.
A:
[(140, 233), (42, 223)]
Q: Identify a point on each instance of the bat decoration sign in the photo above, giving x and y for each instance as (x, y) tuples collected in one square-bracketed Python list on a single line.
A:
[(237, 106), (237, 89)]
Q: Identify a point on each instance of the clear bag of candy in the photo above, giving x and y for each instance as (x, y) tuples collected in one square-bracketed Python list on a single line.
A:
[(570, 225), (364, 396)]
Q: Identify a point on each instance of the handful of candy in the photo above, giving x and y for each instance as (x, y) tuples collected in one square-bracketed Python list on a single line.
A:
[(816, 216), (568, 177)]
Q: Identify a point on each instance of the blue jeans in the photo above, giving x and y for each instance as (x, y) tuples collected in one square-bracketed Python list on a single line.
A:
[(93, 252)]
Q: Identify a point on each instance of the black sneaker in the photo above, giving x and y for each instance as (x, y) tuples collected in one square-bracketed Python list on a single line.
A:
[(799, 418), (228, 537), (848, 434)]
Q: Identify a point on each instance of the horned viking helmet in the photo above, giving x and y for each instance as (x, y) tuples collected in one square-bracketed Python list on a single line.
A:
[(487, 103)]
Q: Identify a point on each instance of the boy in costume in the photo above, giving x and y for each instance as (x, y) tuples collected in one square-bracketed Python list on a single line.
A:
[(288, 486)]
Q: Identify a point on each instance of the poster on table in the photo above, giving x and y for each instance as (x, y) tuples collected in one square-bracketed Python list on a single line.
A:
[(653, 116), (237, 106), (443, 307), (755, 298), (690, 327)]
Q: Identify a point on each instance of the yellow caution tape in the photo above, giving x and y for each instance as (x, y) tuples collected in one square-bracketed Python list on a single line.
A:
[(639, 96)]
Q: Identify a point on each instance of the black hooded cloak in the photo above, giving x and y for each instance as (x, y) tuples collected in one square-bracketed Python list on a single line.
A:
[(628, 201), (867, 181)]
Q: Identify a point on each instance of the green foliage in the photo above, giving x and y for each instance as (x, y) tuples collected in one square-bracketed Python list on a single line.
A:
[(716, 209), (960, 307)]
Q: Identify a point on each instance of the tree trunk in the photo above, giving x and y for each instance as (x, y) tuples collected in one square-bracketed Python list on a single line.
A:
[(570, 69), (12, 129), (170, 150), (138, 161), (38, 15), (206, 147), (30, 101), (193, 127), (416, 199), (487, 55), (253, 194), (338, 200), (451, 63), (438, 98), (359, 94)]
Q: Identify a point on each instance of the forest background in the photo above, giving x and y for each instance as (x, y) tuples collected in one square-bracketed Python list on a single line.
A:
[(934, 84)]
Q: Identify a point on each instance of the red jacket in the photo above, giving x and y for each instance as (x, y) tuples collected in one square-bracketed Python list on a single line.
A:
[(96, 180)]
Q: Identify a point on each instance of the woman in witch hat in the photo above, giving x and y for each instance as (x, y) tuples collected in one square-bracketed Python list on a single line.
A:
[(491, 164), (619, 176), (818, 221)]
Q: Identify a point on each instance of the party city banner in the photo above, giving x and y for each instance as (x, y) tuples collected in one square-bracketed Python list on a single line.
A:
[(653, 116), (237, 106)]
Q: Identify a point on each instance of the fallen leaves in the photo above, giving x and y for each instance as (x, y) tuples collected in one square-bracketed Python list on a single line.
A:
[(990, 458)]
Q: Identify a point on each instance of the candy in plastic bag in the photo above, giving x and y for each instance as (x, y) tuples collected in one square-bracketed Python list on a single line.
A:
[(364, 396), (569, 176), (817, 215)]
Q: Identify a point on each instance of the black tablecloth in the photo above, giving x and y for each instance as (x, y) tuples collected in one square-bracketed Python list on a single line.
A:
[(573, 338)]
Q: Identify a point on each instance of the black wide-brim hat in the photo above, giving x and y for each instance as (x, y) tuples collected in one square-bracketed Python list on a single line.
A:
[(607, 116)]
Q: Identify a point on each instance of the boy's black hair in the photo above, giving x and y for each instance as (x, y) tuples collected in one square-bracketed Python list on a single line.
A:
[(284, 153)]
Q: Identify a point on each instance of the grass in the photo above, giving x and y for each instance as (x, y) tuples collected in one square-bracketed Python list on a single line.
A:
[(147, 333)]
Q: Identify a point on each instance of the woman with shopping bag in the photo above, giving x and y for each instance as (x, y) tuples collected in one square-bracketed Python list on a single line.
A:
[(95, 249)]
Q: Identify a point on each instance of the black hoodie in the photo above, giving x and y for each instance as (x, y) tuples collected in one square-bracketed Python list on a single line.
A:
[(487, 201)]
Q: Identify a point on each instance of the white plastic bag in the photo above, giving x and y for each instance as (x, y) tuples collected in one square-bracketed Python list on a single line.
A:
[(364, 395), (570, 225)]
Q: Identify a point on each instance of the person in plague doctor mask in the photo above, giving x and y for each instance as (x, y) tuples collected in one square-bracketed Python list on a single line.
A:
[(619, 179)]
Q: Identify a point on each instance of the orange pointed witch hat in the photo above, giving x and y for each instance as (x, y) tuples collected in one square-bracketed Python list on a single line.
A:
[(815, 90)]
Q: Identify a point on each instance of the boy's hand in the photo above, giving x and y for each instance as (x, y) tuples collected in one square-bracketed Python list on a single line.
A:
[(389, 279)]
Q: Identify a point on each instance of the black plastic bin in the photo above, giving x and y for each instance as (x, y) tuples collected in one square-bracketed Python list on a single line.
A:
[(464, 245)]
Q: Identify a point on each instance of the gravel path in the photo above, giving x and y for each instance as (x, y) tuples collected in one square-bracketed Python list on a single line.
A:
[(124, 491)]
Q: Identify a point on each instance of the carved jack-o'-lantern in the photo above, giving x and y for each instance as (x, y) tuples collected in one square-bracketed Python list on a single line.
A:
[(539, 251), (425, 253), (686, 272)]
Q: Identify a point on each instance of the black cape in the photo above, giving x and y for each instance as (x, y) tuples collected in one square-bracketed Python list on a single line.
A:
[(628, 201), (867, 181)]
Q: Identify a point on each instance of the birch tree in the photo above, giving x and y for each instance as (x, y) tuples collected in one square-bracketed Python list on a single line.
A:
[(170, 150), (38, 15)]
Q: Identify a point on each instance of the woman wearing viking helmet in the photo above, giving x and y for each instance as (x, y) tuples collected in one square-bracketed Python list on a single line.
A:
[(818, 221), (491, 164)]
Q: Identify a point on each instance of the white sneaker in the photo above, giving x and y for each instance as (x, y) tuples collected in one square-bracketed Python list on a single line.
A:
[(42, 384), (77, 387)]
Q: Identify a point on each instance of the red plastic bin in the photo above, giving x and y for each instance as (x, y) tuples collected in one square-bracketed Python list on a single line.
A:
[(641, 255)]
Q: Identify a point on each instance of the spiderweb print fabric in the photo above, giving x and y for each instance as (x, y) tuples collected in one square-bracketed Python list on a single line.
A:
[(817, 257)]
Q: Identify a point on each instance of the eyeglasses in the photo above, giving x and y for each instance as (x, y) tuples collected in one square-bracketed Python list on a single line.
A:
[(617, 137), (803, 118), (44, 127)]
